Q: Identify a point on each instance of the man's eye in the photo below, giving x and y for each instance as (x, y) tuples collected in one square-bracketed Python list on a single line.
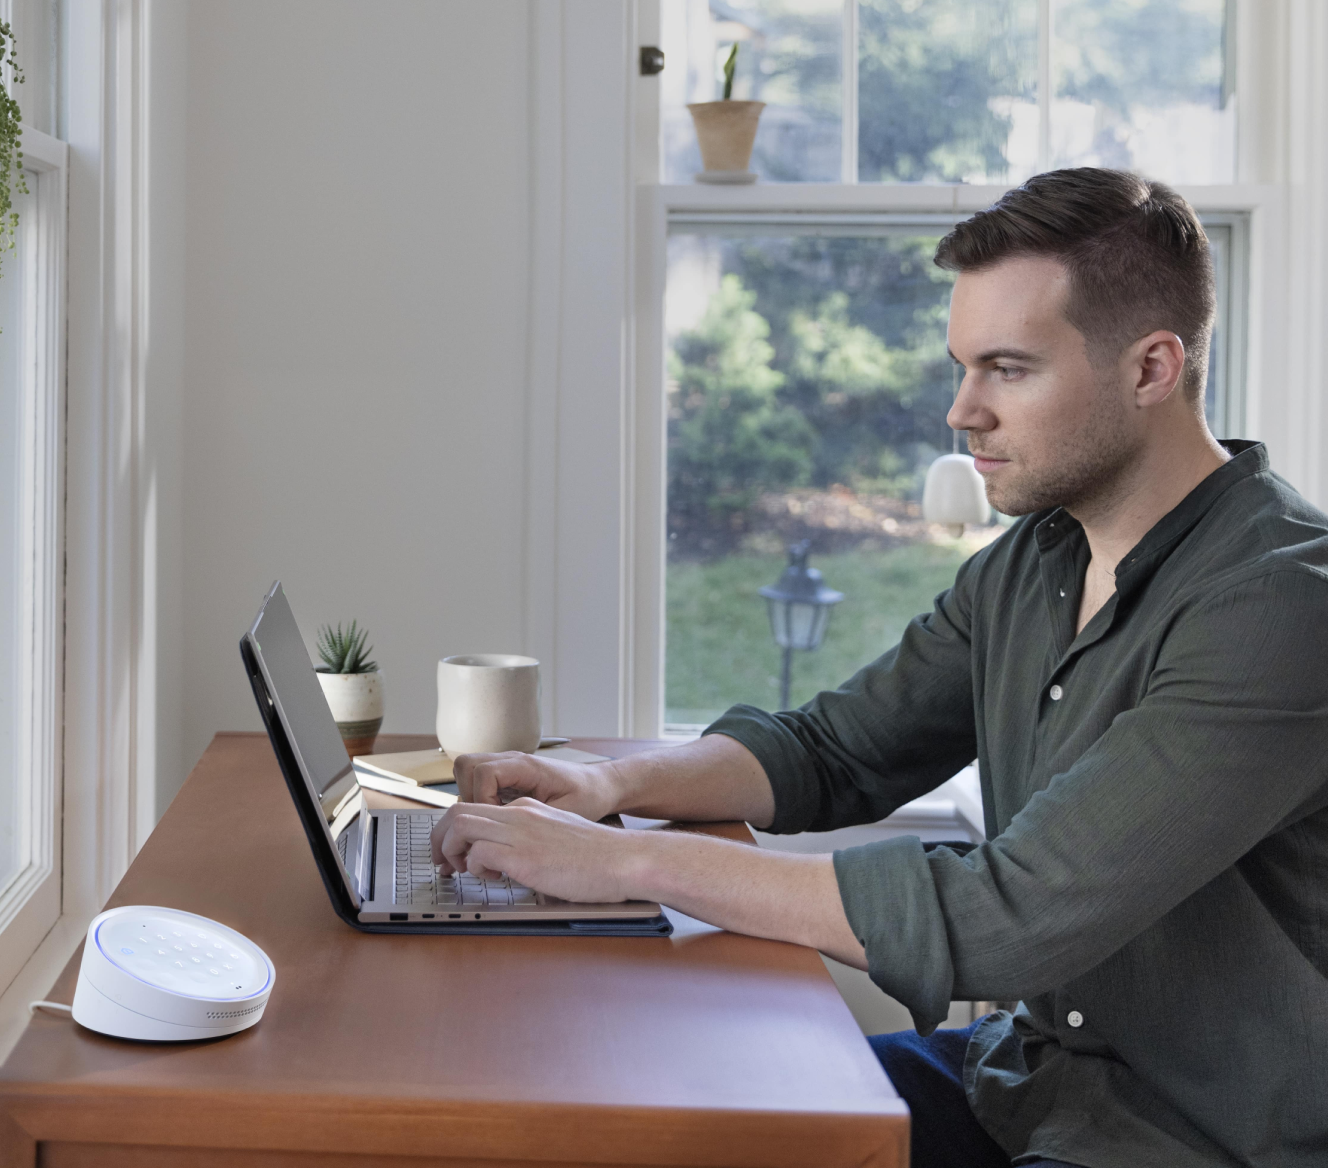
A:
[(1008, 372)]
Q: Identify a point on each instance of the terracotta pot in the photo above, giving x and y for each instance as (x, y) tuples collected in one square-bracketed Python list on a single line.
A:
[(726, 131), (356, 702)]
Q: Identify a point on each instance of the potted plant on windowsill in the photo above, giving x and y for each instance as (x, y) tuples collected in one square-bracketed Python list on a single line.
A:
[(352, 685), (726, 132)]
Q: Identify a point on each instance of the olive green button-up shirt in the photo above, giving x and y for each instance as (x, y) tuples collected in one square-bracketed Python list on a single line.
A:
[(1154, 885)]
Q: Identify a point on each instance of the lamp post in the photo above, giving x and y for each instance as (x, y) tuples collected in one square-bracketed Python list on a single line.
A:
[(799, 607)]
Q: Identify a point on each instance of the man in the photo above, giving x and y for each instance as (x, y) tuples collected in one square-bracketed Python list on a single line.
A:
[(1140, 666)]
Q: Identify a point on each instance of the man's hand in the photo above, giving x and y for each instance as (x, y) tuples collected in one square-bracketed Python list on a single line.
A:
[(736, 886), (586, 789), (555, 851), (711, 779)]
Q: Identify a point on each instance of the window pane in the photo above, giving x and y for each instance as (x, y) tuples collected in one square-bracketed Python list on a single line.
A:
[(808, 387), (13, 850), (789, 57), (947, 90), (1143, 85)]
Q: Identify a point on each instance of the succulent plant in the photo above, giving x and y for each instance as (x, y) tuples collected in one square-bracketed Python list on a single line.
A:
[(345, 652), (729, 66)]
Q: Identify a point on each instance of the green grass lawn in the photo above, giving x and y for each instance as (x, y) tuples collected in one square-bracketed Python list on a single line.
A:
[(718, 644)]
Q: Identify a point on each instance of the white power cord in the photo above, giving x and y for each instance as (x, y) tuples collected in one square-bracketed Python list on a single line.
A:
[(58, 1007)]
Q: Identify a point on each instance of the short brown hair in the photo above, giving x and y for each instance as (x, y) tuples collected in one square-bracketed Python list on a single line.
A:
[(1136, 254)]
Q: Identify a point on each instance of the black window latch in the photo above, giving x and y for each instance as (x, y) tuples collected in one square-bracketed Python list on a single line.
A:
[(652, 60)]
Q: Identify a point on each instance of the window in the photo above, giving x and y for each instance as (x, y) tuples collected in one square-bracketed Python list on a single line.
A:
[(979, 91), (808, 384), (31, 556), (806, 381)]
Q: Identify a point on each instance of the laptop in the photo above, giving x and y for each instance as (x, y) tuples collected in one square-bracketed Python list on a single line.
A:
[(376, 864)]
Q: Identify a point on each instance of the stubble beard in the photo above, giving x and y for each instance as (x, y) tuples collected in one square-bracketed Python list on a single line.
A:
[(1081, 475)]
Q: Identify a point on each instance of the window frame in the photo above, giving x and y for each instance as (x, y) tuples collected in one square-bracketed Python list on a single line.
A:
[(31, 903)]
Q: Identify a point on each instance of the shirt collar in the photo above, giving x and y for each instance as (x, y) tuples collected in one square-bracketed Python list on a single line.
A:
[(1247, 458)]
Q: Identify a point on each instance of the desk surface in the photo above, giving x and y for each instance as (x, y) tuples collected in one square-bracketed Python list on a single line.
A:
[(707, 1048)]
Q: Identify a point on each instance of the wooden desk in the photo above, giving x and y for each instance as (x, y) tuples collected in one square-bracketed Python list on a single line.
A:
[(701, 1049)]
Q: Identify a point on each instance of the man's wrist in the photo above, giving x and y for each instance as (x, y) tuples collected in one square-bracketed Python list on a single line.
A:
[(622, 793), (642, 865)]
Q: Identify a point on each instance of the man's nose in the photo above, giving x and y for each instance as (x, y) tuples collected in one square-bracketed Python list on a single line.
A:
[(967, 412)]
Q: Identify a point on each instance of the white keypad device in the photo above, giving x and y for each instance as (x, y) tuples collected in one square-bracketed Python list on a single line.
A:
[(162, 974)]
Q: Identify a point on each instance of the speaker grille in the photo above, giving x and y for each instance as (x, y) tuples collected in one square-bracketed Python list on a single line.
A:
[(234, 1013)]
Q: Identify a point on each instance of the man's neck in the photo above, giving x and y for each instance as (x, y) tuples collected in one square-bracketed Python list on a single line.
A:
[(1118, 518)]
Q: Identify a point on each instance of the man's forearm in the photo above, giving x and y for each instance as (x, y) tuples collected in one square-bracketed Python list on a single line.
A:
[(743, 889), (714, 778)]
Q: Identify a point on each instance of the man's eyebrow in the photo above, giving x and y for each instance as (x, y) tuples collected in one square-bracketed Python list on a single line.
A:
[(991, 355)]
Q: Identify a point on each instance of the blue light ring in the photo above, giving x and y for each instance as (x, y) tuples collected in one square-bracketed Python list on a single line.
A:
[(111, 957)]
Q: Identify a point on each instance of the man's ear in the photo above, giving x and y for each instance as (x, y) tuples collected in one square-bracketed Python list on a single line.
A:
[(1156, 362)]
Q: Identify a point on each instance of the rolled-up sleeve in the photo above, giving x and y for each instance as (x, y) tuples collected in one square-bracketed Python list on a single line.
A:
[(1225, 748)]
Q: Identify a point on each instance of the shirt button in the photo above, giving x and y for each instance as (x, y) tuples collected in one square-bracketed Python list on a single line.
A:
[(1075, 1019), (1062, 592), (1057, 693)]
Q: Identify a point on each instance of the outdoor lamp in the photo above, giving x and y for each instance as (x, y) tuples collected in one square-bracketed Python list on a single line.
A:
[(799, 607), (954, 493)]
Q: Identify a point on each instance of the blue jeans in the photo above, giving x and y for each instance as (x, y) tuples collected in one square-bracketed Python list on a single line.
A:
[(928, 1073)]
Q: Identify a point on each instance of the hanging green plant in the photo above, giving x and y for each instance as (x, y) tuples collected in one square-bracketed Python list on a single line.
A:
[(11, 157)]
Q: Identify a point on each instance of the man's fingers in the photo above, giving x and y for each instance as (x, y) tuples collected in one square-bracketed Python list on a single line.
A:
[(468, 828), (437, 835), (488, 774), (486, 860), (463, 770)]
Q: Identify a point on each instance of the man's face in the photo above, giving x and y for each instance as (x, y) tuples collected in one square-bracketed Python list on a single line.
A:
[(1044, 426)]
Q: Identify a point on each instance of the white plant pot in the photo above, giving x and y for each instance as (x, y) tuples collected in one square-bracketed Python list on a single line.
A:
[(726, 132), (356, 702)]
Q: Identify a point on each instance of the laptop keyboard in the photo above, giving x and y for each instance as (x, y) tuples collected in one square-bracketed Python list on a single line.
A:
[(418, 883)]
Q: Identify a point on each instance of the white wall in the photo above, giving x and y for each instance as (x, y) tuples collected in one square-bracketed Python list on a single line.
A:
[(357, 262)]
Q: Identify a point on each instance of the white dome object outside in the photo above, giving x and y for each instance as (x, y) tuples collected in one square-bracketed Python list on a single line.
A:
[(164, 975), (954, 493)]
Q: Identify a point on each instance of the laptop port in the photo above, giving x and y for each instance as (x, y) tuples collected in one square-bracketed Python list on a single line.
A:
[(428, 916), (453, 916), (398, 916), (477, 916)]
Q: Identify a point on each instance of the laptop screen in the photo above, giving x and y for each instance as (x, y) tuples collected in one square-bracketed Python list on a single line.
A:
[(310, 728)]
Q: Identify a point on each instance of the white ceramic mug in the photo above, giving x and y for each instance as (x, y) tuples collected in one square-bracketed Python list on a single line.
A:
[(488, 702)]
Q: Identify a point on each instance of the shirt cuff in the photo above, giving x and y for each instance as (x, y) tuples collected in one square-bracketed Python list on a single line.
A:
[(785, 759), (891, 903)]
